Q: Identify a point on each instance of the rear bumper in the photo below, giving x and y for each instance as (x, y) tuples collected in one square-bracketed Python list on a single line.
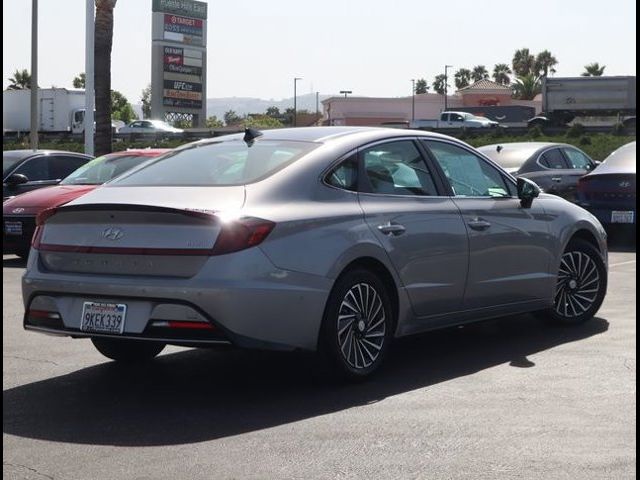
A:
[(603, 214), (248, 301)]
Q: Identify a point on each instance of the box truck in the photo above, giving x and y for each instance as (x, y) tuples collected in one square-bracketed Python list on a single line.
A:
[(59, 110)]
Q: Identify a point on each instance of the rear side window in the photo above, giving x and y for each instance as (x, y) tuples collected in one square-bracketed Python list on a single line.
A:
[(552, 159), (219, 164), (345, 175), (397, 168), (62, 167)]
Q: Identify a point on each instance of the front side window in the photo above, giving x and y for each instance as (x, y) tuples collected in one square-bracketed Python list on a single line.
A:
[(577, 159), (219, 163), (455, 117), (468, 174), (35, 169), (552, 159), (397, 168)]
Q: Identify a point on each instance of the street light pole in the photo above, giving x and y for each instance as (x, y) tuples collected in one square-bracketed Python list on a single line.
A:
[(33, 136), (445, 85), (413, 100), (345, 92), (89, 99), (295, 101)]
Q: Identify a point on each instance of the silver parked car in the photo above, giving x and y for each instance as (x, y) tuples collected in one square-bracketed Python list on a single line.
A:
[(150, 126), (328, 239)]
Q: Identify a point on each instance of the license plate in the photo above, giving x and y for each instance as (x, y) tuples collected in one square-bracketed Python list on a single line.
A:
[(103, 317), (622, 217), (13, 228)]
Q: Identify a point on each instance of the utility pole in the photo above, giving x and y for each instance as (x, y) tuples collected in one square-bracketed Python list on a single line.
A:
[(33, 134), (295, 101), (445, 85), (413, 100)]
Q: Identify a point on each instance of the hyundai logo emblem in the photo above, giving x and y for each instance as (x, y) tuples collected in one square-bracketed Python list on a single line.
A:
[(625, 184), (112, 233), (18, 210)]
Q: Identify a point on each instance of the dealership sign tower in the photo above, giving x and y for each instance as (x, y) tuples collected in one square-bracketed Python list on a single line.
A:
[(179, 61)]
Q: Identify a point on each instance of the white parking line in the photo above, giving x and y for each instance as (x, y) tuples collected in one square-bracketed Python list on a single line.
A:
[(622, 263)]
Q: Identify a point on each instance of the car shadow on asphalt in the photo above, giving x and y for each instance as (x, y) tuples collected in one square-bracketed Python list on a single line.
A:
[(200, 395), (621, 240), (14, 262)]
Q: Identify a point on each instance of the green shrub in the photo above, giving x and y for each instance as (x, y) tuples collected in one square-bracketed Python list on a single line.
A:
[(585, 140), (535, 131), (575, 131), (618, 130)]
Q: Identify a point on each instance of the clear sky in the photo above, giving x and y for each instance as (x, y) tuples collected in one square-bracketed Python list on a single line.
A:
[(372, 47)]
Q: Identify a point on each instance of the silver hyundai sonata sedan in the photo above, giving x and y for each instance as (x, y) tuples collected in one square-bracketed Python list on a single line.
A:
[(327, 239)]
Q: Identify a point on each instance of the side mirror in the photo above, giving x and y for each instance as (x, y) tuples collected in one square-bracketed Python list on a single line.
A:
[(527, 191), (16, 179)]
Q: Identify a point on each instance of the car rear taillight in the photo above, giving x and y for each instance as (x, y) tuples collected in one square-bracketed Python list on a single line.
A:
[(40, 219), (240, 234)]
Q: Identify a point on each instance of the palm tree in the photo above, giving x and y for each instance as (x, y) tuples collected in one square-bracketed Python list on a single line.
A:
[(545, 63), (501, 72), (462, 78), (421, 86), (479, 73), (80, 81), (439, 84), (526, 87), (593, 70), (102, 78), (21, 80), (523, 62)]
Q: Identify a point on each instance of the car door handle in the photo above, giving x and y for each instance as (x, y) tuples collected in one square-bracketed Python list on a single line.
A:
[(392, 229), (556, 179), (478, 224)]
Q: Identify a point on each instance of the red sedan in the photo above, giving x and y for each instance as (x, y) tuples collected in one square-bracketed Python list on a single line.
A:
[(19, 213)]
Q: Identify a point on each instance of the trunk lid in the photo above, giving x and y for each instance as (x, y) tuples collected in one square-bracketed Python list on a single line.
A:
[(152, 231)]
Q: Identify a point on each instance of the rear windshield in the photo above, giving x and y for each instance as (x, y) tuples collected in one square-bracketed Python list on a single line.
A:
[(219, 163), (103, 169)]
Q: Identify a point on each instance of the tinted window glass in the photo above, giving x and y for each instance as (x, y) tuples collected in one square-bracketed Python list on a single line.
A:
[(61, 167), (35, 169), (468, 174), (345, 175), (10, 160), (219, 163), (397, 168), (578, 159), (552, 159)]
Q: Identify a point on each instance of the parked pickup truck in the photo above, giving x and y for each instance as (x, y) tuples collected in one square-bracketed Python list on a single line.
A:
[(454, 120)]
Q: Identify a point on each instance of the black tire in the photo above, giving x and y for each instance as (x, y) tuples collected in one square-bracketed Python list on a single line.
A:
[(127, 351), (582, 284), (354, 348)]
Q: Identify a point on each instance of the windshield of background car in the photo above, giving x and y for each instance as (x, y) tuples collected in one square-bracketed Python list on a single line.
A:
[(10, 160), (103, 169), (219, 164)]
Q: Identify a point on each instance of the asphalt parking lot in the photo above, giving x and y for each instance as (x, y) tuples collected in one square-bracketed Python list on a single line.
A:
[(511, 398)]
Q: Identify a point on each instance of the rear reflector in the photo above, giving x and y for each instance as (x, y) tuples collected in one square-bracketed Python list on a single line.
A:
[(182, 324), (42, 314)]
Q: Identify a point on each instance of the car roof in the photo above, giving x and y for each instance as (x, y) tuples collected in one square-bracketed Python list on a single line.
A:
[(513, 155), (622, 160), (328, 134), (30, 153)]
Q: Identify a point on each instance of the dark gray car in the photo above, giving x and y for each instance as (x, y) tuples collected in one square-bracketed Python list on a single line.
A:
[(327, 239), (555, 167), (26, 170)]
